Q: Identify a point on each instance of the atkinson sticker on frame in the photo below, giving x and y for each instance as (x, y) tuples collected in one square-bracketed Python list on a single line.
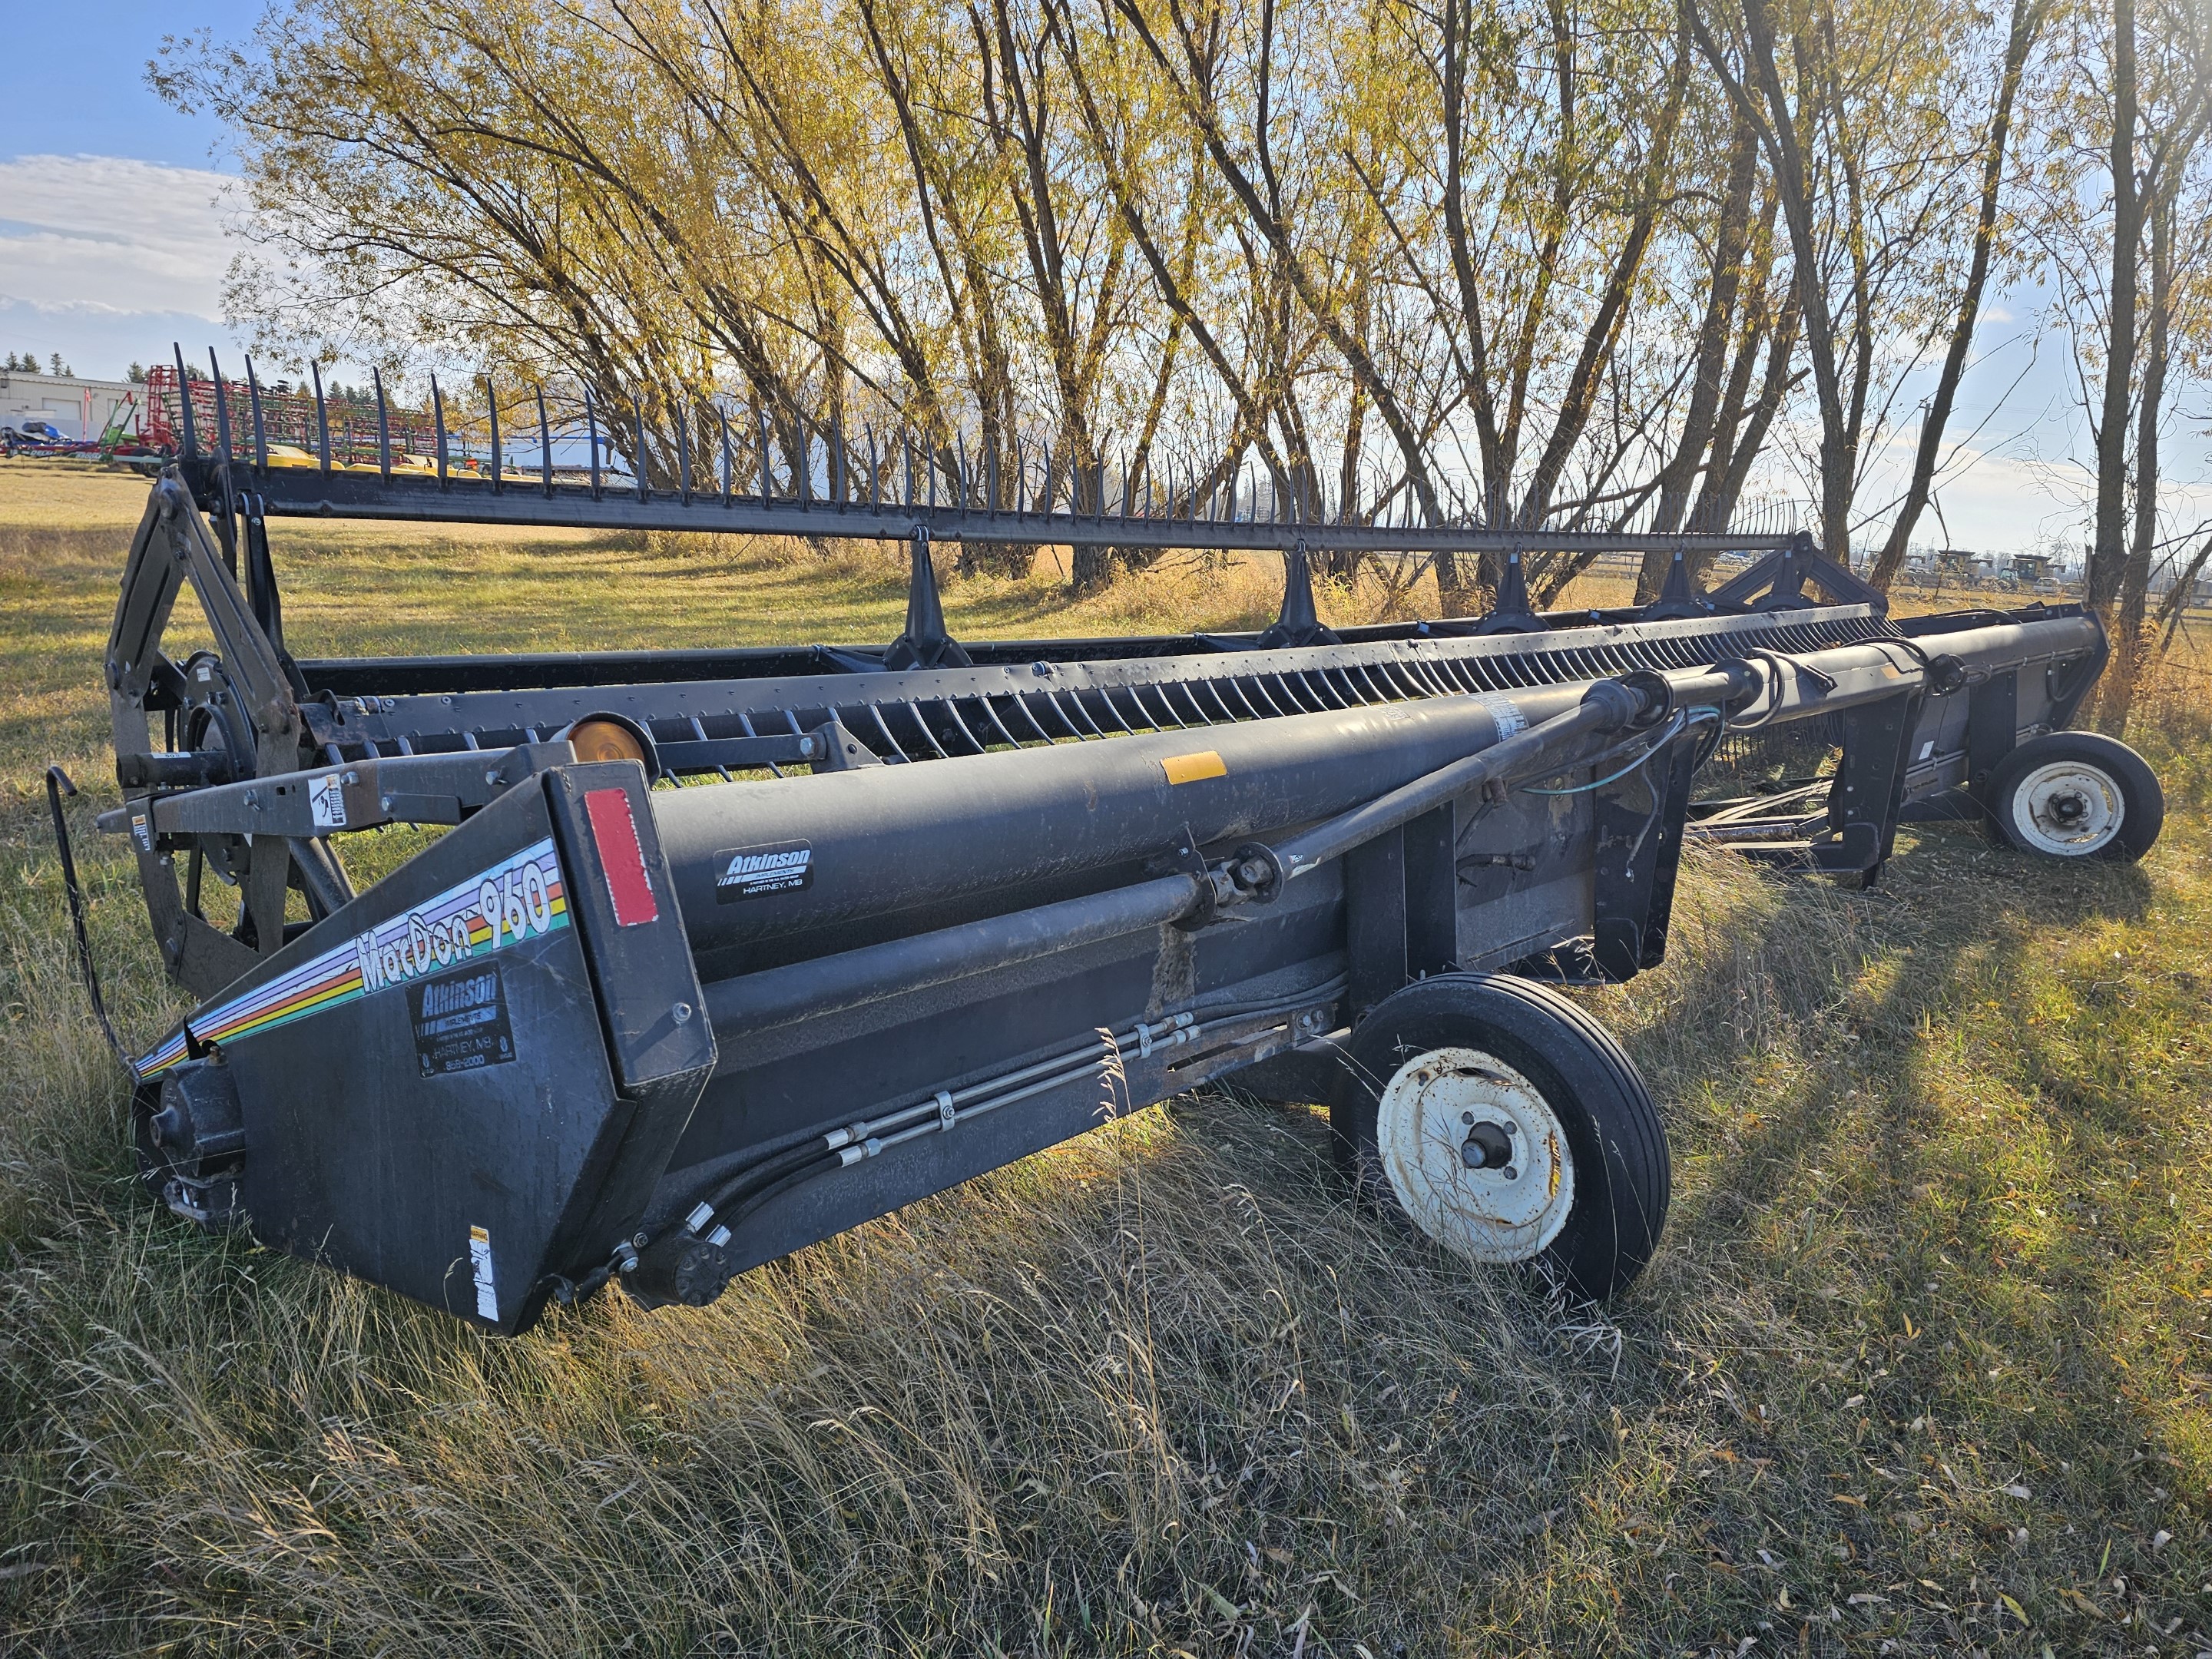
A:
[(745, 872)]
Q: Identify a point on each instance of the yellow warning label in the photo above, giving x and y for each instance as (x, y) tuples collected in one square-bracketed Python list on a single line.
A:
[(1189, 768)]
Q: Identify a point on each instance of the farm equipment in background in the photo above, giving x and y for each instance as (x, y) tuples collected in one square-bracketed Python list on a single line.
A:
[(118, 437), (721, 951), (40, 437)]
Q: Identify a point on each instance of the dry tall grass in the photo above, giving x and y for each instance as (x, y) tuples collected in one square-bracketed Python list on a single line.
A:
[(1921, 1367)]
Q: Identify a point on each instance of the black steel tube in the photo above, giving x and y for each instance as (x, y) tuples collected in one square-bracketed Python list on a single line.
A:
[(1538, 745), (885, 840), (830, 985)]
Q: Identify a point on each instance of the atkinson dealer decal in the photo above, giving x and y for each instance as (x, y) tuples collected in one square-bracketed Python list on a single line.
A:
[(517, 899), (749, 873)]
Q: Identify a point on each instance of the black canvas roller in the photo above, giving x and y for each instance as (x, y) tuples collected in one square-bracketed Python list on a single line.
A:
[(721, 952)]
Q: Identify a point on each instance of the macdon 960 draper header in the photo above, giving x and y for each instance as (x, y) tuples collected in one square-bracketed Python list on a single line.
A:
[(605, 1027)]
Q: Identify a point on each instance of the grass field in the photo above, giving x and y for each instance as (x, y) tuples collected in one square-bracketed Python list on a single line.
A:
[(1922, 1367)]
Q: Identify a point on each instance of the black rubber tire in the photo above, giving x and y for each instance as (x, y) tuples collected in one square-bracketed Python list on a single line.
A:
[(1612, 1128), (2142, 801)]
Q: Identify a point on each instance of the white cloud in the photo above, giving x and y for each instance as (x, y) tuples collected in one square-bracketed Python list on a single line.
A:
[(101, 234)]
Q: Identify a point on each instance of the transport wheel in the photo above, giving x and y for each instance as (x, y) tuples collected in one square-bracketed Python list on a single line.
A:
[(2075, 795), (1508, 1126)]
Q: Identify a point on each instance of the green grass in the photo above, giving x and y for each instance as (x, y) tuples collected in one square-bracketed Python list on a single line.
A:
[(1922, 1367)]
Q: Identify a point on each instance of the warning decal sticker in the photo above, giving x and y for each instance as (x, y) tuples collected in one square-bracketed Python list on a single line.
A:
[(327, 801), (480, 1270), (1504, 713)]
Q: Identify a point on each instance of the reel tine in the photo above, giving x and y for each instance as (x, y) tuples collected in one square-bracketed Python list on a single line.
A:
[(438, 415), (545, 445), (638, 465), (802, 465), (760, 417), (383, 426), (729, 460), (322, 418), (591, 433), (222, 453), (260, 435), (191, 434), (491, 402), (906, 443), (837, 465), (875, 474), (683, 455)]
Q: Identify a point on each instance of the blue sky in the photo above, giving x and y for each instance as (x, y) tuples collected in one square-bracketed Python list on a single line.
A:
[(111, 246), (109, 257)]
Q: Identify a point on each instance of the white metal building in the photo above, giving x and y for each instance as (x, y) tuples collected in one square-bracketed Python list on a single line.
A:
[(75, 408)]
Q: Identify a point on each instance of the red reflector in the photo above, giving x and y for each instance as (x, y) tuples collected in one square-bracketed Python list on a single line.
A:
[(615, 831)]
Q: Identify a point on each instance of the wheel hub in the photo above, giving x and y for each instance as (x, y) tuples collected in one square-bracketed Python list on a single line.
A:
[(2068, 808), (1475, 1155)]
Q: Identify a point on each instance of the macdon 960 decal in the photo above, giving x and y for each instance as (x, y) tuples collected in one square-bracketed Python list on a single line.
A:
[(514, 901)]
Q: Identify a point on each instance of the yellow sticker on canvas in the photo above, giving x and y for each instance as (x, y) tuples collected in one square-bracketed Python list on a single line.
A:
[(1189, 768)]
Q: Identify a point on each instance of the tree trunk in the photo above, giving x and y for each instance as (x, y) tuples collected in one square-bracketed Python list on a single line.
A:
[(2128, 632), (2107, 549), (1731, 243), (1771, 111), (2027, 17)]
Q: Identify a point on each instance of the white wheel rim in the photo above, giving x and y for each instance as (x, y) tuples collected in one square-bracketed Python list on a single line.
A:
[(1437, 1105), (2068, 808)]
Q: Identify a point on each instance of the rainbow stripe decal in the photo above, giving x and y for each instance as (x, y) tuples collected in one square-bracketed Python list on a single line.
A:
[(502, 906)]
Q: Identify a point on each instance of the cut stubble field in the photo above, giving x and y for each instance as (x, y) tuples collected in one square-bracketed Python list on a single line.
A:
[(1923, 1365)]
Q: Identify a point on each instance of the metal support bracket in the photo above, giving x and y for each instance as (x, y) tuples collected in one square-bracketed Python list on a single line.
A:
[(1776, 582), (1297, 623), (1401, 906), (925, 644), (1512, 614), (1638, 855)]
